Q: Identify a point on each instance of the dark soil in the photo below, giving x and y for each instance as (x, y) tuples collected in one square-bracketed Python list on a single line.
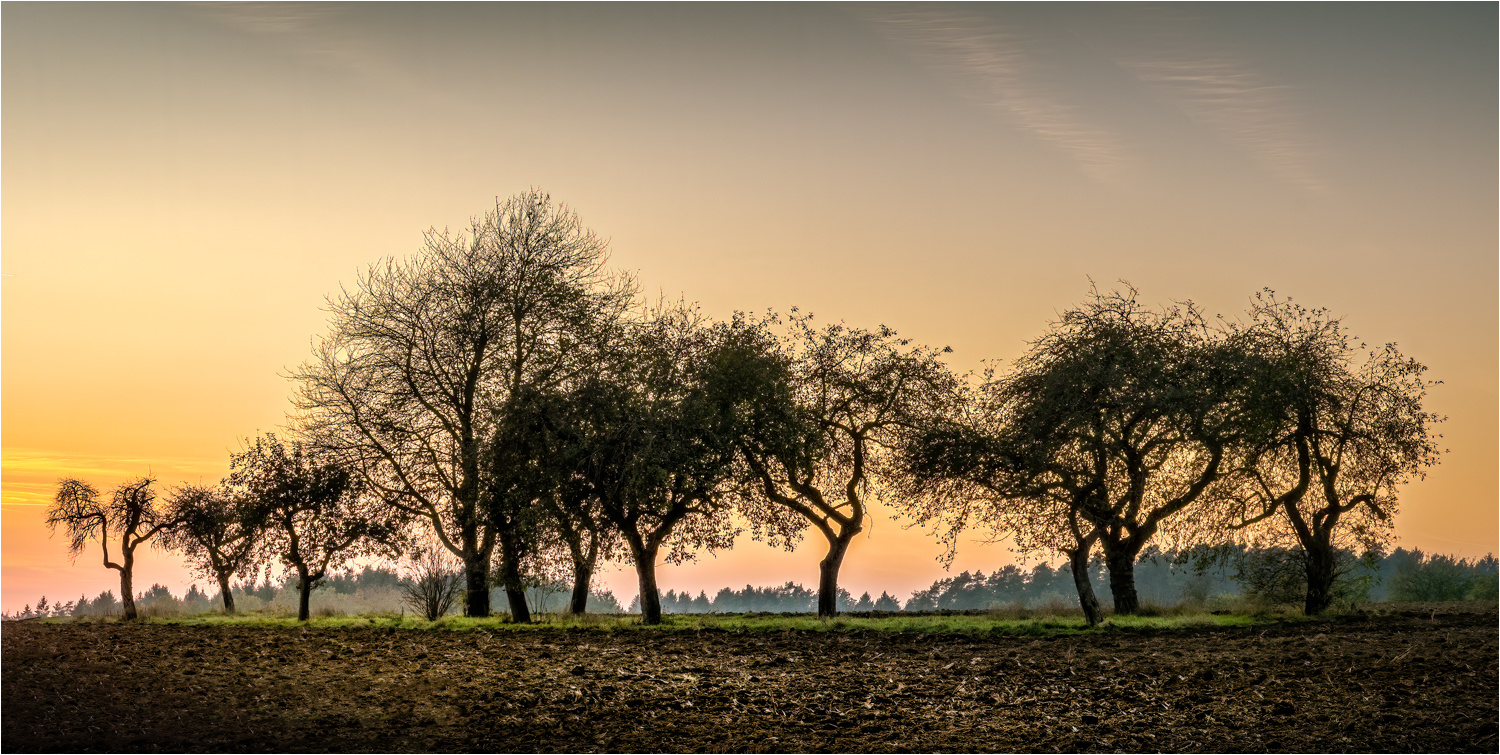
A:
[(1418, 681)]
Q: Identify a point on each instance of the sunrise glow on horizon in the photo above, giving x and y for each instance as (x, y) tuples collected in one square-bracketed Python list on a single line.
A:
[(185, 184)]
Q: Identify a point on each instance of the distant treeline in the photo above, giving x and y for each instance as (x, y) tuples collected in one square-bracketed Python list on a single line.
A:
[(788, 598), (1203, 575), (1164, 578), (368, 590)]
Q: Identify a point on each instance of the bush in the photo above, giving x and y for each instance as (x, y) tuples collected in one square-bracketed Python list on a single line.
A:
[(1438, 577), (1272, 576), (433, 585), (1483, 587)]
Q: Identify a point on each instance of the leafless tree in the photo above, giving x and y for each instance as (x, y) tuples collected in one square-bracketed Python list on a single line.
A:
[(433, 582), (425, 356), (131, 515)]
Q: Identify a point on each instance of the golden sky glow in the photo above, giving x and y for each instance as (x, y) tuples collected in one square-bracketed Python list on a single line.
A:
[(183, 185)]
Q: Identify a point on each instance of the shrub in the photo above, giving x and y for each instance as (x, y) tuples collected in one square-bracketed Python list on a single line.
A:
[(433, 583), (1436, 577)]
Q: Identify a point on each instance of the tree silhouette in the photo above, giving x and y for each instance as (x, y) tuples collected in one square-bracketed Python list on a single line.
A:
[(1343, 429), (318, 515), (131, 515), (218, 534), (829, 403), (1111, 425), (981, 469), (426, 355), (657, 427)]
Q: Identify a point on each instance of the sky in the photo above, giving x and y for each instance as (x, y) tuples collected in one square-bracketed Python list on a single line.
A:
[(182, 186)]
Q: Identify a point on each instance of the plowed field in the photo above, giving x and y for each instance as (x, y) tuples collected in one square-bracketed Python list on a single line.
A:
[(1418, 681)]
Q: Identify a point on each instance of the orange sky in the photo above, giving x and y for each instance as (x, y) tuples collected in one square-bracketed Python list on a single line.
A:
[(182, 185)]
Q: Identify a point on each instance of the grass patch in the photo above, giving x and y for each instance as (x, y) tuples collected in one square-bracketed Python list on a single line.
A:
[(1000, 622)]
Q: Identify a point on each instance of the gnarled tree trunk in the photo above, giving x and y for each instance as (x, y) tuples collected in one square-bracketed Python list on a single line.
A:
[(1078, 563), (1122, 580), (1321, 564), (583, 575), (127, 594), (828, 572), (226, 592), (477, 585), (510, 576), (304, 599)]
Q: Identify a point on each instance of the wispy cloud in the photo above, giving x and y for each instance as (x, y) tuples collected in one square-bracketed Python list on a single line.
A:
[(1217, 86), (998, 67), (30, 476), (1012, 64), (321, 34)]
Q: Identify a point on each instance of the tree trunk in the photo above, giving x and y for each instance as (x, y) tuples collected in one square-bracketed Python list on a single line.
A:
[(645, 569), (1078, 563), (510, 576), (583, 573), (1320, 561), (127, 596), (520, 613), (228, 594), (477, 597), (1122, 580), (828, 573), (304, 597)]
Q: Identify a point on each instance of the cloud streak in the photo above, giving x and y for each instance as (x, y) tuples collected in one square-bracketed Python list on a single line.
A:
[(1220, 89), (31, 476), (1028, 74), (999, 68), (321, 34)]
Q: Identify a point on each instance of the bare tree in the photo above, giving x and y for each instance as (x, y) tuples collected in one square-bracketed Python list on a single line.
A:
[(1344, 429), (425, 356), (131, 515), (318, 515), (218, 534), (433, 582), (830, 403)]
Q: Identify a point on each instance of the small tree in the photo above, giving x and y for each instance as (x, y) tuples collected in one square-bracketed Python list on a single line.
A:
[(1341, 429), (828, 404), (536, 461), (655, 430), (217, 533), (981, 469), (318, 517), (432, 584), (131, 516), (1112, 425)]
